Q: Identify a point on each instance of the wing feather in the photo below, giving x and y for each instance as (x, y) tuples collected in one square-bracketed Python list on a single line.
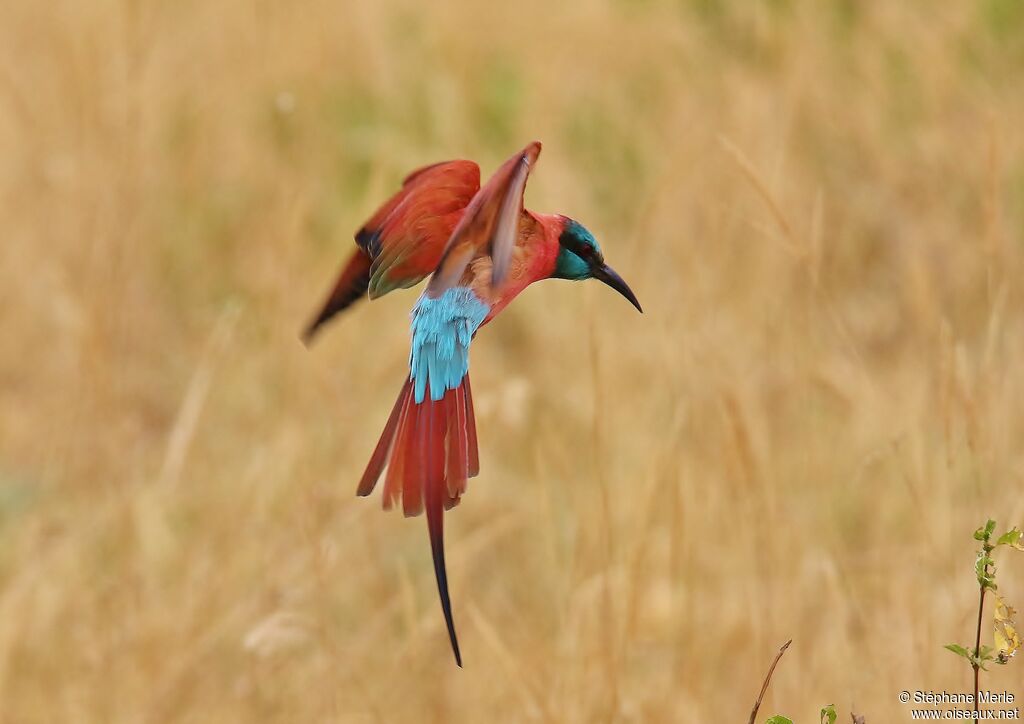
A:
[(402, 242), (489, 224)]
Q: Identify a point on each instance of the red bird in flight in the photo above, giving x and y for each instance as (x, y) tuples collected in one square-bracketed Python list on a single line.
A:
[(482, 249)]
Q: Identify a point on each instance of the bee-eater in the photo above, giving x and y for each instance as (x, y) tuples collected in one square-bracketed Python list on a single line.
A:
[(482, 248)]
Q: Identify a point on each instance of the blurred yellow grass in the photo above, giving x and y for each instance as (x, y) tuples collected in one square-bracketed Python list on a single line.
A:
[(820, 205)]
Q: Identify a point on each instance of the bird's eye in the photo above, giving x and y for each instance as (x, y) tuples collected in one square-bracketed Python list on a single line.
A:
[(589, 255), (580, 248)]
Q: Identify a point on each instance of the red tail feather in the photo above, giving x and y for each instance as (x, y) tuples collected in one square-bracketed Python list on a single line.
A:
[(430, 449), (380, 453), (430, 443), (474, 454)]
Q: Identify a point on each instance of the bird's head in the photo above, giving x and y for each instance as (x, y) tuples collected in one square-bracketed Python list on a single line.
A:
[(580, 257)]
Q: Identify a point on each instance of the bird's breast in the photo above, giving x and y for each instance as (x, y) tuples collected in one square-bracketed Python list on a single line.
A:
[(532, 259)]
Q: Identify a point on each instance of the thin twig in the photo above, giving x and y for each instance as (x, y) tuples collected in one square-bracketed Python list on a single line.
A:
[(976, 663), (767, 680)]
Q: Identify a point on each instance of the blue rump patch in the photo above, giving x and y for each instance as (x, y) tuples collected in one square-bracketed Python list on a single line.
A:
[(442, 329)]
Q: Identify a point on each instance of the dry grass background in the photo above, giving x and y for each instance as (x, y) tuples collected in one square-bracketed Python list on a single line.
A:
[(820, 204)]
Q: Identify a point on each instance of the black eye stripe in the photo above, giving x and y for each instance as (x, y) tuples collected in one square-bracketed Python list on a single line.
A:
[(583, 251)]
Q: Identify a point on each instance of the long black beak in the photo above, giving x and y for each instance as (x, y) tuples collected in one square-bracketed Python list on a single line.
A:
[(609, 276)]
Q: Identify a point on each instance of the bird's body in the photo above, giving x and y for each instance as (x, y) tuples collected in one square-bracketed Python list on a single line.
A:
[(533, 259), (481, 248)]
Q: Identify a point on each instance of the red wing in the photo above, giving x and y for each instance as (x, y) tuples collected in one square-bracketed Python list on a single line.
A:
[(348, 289), (406, 236), (404, 239), (489, 225)]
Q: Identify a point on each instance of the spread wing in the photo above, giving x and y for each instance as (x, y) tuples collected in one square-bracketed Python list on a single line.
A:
[(490, 224), (405, 238), (402, 242)]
